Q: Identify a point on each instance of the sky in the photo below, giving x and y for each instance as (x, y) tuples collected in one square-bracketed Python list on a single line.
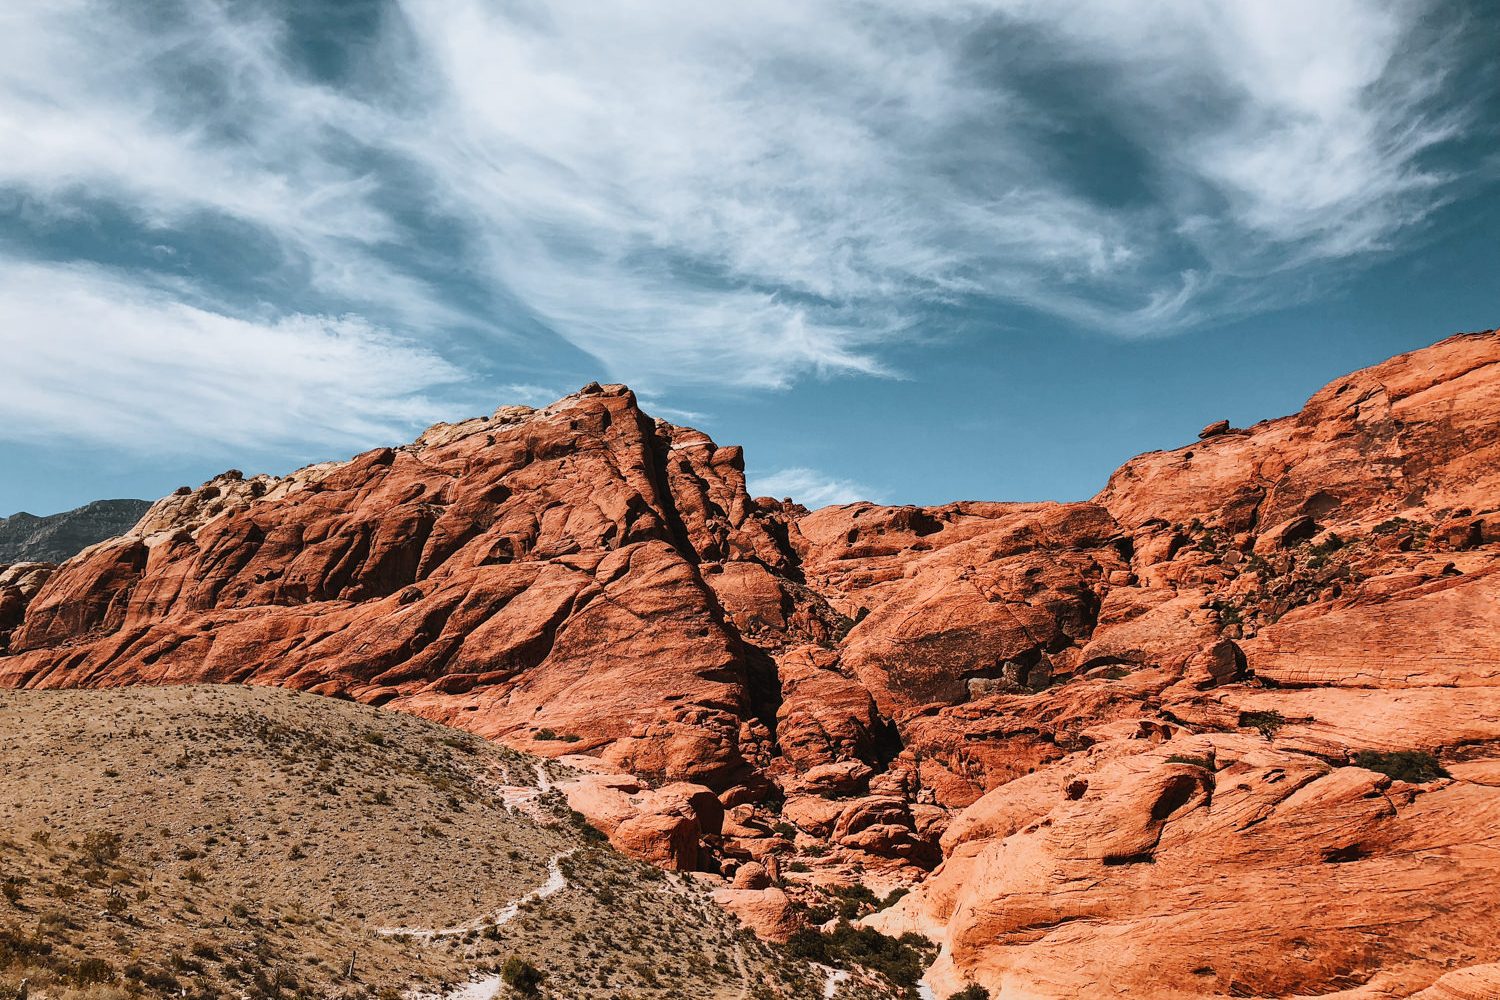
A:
[(906, 252)]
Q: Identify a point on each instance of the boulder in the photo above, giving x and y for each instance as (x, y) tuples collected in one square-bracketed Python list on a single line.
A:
[(770, 913), (1214, 429)]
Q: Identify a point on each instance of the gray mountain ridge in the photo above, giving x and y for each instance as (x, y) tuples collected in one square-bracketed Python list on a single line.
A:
[(53, 538)]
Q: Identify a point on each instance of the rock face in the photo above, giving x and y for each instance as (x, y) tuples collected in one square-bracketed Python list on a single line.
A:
[(1145, 740), (28, 538)]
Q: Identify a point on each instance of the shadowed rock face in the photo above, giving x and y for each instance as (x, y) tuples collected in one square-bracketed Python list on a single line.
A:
[(55, 537), (1119, 730)]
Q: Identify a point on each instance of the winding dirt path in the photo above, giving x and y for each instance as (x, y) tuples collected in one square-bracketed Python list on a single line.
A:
[(556, 882), (836, 978)]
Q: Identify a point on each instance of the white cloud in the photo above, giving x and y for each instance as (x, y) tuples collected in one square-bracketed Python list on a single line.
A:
[(738, 195), (97, 104), (809, 487), (1307, 123), (526, 394), (96, 357)]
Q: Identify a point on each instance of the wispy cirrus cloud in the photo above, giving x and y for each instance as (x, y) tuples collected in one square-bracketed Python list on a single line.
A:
[(111, 361), (735, 196), (809, 487), (785, 188)]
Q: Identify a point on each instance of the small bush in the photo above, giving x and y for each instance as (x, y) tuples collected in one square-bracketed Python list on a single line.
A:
[(900, 960), (853, 901), (589, 832), (101, 847), (1330, 544), (1202, 762), (971, 992), (521, 976), (1415, 766), (93, 970), (1266, 723), (1228, 613)]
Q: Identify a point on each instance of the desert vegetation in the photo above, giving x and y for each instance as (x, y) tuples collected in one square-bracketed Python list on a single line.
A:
[(258, 843)]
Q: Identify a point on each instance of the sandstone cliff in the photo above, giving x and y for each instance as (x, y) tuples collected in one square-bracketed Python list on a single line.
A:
[(1189, 738)]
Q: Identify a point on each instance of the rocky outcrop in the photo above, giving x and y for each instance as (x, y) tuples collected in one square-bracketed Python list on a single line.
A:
[(770, 913), (27, 538), (526, 574), (19, 583), (1140, 739), (1213, 851)]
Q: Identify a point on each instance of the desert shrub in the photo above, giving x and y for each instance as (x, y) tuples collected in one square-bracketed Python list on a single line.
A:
[(93, 970), (18, 947), (1266, 723), (460, 744), (1202, 762), (546, 733), (1415, 766), (1228, 613), (161, 981), (1330, 544), (521, 976), (971, 992), (900, 960), (101, 847), (581, 823), (853, 901)]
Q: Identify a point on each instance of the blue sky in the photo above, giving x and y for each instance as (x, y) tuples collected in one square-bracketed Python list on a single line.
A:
[(913, 252)]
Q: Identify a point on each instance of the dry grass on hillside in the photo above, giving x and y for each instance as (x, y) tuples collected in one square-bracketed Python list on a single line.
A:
[(248, 842)]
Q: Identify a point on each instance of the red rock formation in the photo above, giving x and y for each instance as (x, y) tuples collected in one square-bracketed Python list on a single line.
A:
[(532, 571), (1119, 729), (19, 583)]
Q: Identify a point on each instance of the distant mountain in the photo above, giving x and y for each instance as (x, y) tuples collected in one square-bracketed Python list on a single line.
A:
[(28, 538)]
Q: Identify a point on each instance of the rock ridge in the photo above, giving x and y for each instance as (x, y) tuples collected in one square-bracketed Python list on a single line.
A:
[(1241, 705)]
